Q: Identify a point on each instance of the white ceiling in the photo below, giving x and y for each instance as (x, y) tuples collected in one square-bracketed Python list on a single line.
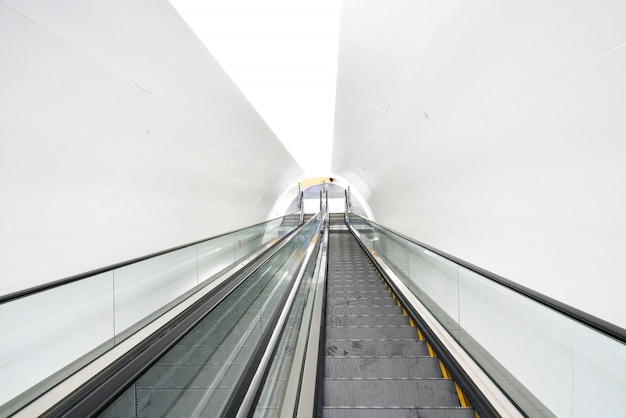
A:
[(282, 54), (120, 135), (493, 131)]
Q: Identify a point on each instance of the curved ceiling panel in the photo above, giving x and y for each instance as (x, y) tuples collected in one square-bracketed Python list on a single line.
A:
[(496, 136), (120, 136)]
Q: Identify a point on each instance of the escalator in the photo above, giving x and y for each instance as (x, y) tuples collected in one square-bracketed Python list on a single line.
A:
[(376, 362), (350, 321)]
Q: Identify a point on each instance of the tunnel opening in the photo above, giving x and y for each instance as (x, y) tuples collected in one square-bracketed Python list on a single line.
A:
[(334, 188)]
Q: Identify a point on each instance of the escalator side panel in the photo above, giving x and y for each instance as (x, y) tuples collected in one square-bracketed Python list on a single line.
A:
[(199, 374)]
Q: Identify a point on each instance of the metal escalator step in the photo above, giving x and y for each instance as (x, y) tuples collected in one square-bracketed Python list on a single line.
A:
[(372, 296), (390, 393), (375, 365), (358, 285), (391, 348), (352, 294), (398, 413), (387, 301), (381, 367), (367, 320), (364, 310), (374, 286), (365, 277), (370, 333)]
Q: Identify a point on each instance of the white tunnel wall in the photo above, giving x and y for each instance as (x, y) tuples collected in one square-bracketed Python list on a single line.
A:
[(120, 135), (494, 130)]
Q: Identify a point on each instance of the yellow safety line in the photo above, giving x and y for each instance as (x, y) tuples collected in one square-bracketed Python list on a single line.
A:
[(444, 371), (463, 401), (430, 350), (461, 395), (462, 398)]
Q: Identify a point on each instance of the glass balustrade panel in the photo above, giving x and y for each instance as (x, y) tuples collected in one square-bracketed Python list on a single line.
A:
[(49, 333), (144, 289)]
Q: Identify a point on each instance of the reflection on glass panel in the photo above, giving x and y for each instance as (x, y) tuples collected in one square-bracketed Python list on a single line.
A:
[(247, 241), (531, 348), (395, 251), (143, 289), (214, 256), (272, 231), (48, 331), (435, 280)]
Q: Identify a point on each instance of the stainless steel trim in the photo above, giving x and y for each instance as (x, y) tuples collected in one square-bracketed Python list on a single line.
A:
[(306, 404)]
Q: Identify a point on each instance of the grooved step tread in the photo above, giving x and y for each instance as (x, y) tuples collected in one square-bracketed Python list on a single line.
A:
[(398, 413), (375, 365), (391, 348), (370, 333), (413, 393), (381, 367), (343, 310), (367, 320)]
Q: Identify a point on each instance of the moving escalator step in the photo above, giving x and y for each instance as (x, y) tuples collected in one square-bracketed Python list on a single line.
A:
[(376, 361)]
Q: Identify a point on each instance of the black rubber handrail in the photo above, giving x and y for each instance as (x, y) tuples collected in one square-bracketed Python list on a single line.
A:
[(585, 318), (50, 285)]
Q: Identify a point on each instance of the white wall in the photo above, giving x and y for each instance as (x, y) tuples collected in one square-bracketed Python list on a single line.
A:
[(120, 135), (494, 130)]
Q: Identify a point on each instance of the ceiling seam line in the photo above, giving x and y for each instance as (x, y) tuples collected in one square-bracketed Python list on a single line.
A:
[(412, 71), (548, 83), (443, 24)]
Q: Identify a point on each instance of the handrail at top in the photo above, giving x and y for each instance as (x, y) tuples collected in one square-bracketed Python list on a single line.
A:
[(598, 324), (50, 285)]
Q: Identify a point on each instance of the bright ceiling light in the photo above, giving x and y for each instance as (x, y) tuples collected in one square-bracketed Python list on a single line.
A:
[(283, 56)]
